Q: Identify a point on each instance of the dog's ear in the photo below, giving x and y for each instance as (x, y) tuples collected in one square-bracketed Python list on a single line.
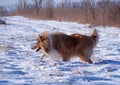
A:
[(42, 37)]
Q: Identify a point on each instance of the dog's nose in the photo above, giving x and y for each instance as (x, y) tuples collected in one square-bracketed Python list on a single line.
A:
[(33, 48)]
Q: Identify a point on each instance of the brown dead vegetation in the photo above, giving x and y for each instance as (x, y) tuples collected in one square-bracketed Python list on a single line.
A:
[(104, 12)]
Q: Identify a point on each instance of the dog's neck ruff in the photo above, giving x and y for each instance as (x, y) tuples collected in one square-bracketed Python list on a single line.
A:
[(53, 52), (50, 39)]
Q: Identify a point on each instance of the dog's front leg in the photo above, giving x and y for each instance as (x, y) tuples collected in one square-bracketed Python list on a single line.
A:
[(42, 57)]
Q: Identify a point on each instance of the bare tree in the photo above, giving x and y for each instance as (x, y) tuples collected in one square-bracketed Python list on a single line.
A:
[(66, 3), (93, 9), (37, 5), (22, 4), (50, 8), (76, 5), (3, 11), (85, 5), (103, 6)]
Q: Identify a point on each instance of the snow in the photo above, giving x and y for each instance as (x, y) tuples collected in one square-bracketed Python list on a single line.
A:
[(20, 65)]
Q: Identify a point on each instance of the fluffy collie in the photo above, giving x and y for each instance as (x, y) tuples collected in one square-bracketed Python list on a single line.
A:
[(65, 46)]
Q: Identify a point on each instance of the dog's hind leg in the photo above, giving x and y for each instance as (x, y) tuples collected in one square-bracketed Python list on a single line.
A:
[(66, 58), (86, 57), (89, 61)]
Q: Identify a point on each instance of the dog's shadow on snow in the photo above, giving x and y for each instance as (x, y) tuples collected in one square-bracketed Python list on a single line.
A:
[(116, 62)]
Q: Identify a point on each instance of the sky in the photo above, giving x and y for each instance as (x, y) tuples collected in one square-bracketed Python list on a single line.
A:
[(13, 2), (9, 2)]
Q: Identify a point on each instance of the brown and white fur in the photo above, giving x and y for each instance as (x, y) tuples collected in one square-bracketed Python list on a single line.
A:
[(67, 46)]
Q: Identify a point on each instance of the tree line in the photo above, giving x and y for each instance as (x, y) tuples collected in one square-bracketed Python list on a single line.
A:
[(102, 12)]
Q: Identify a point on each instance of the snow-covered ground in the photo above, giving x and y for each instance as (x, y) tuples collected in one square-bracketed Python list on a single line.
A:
[(19, 65)]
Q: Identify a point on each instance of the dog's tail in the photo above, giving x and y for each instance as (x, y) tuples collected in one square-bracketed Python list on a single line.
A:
[(94, 36)]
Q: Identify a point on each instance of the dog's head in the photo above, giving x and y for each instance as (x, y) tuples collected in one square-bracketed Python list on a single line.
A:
[(42, 43)]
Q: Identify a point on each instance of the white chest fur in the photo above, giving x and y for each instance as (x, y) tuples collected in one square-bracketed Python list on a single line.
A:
[(54, 54)]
